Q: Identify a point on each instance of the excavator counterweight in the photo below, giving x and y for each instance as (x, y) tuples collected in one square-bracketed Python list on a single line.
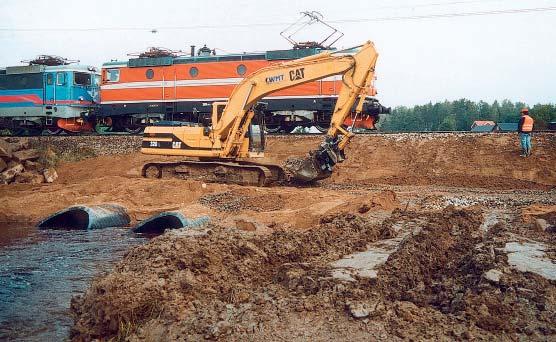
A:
[(236, 132)]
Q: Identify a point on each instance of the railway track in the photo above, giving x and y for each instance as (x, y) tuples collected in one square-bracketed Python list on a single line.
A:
[(377, 133)]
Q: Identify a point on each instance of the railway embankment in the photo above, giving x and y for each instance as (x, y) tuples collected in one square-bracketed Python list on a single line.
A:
[(122, 144)]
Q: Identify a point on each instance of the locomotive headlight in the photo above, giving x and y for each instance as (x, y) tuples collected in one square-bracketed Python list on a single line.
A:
[(80, 98)]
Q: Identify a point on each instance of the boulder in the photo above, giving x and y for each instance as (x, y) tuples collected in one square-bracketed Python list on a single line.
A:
[(24, 155), (29, 177), (12, 163), (20, 145), (50, 175), (248, 224), (542, 225), (9, 174), (5, 149), (359, 310), (32, 166), (493, 275), (3, 165)]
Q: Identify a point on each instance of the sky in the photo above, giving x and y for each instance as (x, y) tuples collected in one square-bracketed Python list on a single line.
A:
[(422, 58)]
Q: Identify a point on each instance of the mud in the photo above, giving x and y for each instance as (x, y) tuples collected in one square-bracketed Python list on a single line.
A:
[(440, 210)]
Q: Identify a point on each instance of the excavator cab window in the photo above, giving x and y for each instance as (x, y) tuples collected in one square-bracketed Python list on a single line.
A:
[(256, 132)]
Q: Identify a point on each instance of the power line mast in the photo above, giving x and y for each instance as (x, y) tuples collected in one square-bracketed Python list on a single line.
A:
[(309, 18)]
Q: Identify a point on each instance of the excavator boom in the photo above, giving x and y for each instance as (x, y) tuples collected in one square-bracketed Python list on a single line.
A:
[(230, 137)]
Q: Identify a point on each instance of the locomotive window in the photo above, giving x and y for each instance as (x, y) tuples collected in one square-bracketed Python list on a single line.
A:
[(241, 69), (49, 79), (60, 78), (21, 81), (82, 78), (194, 72), (113, 75), (149, 74)]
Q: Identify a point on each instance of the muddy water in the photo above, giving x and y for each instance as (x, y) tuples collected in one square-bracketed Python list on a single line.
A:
[(40, 270)]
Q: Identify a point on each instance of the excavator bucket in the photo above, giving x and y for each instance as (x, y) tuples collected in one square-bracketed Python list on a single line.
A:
[(310, 170), (319, 164)]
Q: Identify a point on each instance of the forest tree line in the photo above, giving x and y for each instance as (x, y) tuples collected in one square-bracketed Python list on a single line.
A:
[(459, 115)]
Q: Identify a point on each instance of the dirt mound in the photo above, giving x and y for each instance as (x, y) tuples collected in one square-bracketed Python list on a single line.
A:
[(467, 160), (434, 253), (221, 283), (453, 267), (224, 283)]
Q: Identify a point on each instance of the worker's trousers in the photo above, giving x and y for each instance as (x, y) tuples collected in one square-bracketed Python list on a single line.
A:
[(525, 139)]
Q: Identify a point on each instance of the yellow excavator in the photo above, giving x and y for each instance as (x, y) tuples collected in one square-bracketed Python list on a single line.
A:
[(219, 153)]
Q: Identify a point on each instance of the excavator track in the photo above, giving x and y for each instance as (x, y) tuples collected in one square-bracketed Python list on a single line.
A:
[(210, 171)]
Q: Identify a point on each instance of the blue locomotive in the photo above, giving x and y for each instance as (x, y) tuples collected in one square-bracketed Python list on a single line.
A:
[(50, 94)]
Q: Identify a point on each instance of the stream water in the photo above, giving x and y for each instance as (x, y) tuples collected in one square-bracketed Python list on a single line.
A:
[(40, 270)]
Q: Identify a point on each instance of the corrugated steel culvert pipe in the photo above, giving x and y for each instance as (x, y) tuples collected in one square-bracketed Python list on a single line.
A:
[(157, 224), (87, 217)]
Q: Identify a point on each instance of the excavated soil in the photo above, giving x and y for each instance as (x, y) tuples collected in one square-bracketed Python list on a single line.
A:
[(265, 268)]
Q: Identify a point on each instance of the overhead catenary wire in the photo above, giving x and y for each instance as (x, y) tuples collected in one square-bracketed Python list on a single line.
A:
[(250, 25), (436, 4)]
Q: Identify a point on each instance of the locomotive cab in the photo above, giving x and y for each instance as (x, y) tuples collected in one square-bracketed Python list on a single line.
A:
[(47, 95)]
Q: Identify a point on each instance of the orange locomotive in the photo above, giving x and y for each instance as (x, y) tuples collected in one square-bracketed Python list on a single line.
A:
[(161, 86)]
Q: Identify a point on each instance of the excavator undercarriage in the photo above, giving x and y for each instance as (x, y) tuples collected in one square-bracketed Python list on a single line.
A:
[(217, 171), (318, 165)]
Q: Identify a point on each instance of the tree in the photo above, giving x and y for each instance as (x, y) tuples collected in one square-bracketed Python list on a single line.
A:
[(460, 114)]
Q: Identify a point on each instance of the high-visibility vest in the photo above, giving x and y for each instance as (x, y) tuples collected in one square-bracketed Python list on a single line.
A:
[(527, 124)]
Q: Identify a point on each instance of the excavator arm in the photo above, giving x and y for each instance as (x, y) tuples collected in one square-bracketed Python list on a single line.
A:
[(357, 71)]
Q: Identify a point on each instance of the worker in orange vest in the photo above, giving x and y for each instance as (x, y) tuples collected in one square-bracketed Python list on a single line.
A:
[(525, 128)]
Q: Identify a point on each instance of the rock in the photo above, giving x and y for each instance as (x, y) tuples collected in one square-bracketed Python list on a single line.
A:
[(12, 163), (493, 275), (541, 225), (220, 329), (359, 310), (250, 225), (29, 177), (363, 208), (366, 309), (407, 311), (24, 155), (5, 149), (9, 174), (3, 165), (20, 145), (32, 166), (50, 175)]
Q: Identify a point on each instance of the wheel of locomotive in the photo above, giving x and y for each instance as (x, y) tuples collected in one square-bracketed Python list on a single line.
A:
[(52, 130), (104, 125), (25, 131), (16, 131), (272, 123), (134, 129), (152, 171), (102, 129), (273, 128)]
